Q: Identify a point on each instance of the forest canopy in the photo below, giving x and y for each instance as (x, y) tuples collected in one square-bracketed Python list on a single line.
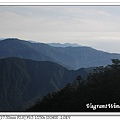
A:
[(102, 86)]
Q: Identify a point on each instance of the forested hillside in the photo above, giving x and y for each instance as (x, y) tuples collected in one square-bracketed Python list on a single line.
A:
[(23, 81), (101, 88)]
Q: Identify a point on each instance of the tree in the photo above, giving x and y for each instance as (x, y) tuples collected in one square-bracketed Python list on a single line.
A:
[(115, 62)]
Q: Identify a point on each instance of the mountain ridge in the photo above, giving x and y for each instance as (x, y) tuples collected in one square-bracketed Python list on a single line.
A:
[(64, 45), (23, 81), (82, 56)]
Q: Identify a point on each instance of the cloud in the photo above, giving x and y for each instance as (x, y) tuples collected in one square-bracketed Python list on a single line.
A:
[(86, 25)]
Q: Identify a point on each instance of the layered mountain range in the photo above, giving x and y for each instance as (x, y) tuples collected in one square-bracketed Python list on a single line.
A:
[(70, 57), (29, 70), (23, 81)]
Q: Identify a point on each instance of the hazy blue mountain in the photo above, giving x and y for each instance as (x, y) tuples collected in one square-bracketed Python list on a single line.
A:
[(23, 81), (13, 47), (70, 57), (63, 45)]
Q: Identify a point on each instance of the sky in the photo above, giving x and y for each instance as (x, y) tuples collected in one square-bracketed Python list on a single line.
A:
[(94, 26)]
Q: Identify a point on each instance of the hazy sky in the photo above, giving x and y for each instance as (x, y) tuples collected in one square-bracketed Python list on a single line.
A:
[(95, 26)]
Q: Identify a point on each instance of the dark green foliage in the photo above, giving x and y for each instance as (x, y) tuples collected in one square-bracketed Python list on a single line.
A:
[(101, 87)]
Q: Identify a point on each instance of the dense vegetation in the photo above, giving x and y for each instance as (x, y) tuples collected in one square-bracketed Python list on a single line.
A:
[(101, 87)]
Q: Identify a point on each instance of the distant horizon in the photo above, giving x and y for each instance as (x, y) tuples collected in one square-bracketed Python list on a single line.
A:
[(94, 26), (33, 41)]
